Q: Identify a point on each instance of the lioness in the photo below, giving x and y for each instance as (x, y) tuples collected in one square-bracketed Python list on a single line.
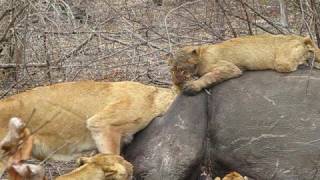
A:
[(100, 167), (218, 62), (73, 117)]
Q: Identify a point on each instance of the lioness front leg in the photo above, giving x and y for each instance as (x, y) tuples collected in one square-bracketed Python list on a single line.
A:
[(220, 72), (107, 138), (107, 135)]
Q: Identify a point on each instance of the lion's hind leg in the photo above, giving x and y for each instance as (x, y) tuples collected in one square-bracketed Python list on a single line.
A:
[(283, 66), (290, 56), (288, 62)]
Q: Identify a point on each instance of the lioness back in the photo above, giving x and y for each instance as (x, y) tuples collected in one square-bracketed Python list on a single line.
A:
[(67, 106)]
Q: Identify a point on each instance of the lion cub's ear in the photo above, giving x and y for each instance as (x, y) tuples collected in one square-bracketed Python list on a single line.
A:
[(195, 56), (194, 52), (169, 58)]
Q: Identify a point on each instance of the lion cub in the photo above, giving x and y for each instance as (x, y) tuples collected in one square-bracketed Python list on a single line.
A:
[(222, 61)]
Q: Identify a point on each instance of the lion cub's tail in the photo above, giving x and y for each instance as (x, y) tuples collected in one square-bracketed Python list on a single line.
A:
[(313, 47)]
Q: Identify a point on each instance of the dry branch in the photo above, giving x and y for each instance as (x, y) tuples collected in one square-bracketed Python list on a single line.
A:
[(13, 65), (264, 18), (75, 51), (12, 23), (166, 17), (247, 17), (5, 13)]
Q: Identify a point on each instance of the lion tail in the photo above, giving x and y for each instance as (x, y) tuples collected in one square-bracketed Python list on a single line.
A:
[(313, 47)]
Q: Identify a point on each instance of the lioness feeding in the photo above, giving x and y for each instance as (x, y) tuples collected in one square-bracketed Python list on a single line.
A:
[(73, 117), (218, 62)]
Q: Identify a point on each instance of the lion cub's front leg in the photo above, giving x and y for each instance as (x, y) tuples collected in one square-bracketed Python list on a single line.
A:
[(220, 72)]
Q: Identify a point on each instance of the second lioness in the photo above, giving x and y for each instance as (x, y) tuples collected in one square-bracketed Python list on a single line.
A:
[(73, 117), (218, 62)]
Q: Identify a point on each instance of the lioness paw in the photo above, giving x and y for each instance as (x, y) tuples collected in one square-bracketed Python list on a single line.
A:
[(190, 88)]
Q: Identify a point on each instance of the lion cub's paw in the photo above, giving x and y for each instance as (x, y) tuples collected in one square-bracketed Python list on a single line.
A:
[(190, 88)]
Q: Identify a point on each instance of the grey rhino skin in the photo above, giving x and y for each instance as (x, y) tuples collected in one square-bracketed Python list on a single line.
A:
[(265, 125), (172, 146)]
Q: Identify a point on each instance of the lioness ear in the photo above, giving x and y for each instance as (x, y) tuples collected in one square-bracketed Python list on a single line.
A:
[(82, 160)]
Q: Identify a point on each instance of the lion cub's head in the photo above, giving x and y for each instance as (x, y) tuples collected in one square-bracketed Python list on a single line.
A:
[(183, 65)]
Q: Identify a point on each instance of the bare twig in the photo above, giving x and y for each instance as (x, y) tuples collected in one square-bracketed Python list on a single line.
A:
[(73, 52), (303, 20), (316, 20), (228, 20), (310, 73), (247, 17), (12, 23), (58, 149), (13, 65), (11, 87), (45, 123), (5, 13), (166, 17), (32, 132), (264, 18), (30, 117)]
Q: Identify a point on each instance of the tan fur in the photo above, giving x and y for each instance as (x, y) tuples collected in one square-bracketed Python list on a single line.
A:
[(222, 61), (101, 167), (232, 176), (26, 171), (90, 114), (17, 146), (11, 143)]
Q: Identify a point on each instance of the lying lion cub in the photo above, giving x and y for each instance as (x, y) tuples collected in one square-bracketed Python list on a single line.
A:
[(73, 117), (218, 62)]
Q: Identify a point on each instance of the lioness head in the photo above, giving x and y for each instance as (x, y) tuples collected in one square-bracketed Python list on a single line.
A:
[(113, 166), (183, 65)]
